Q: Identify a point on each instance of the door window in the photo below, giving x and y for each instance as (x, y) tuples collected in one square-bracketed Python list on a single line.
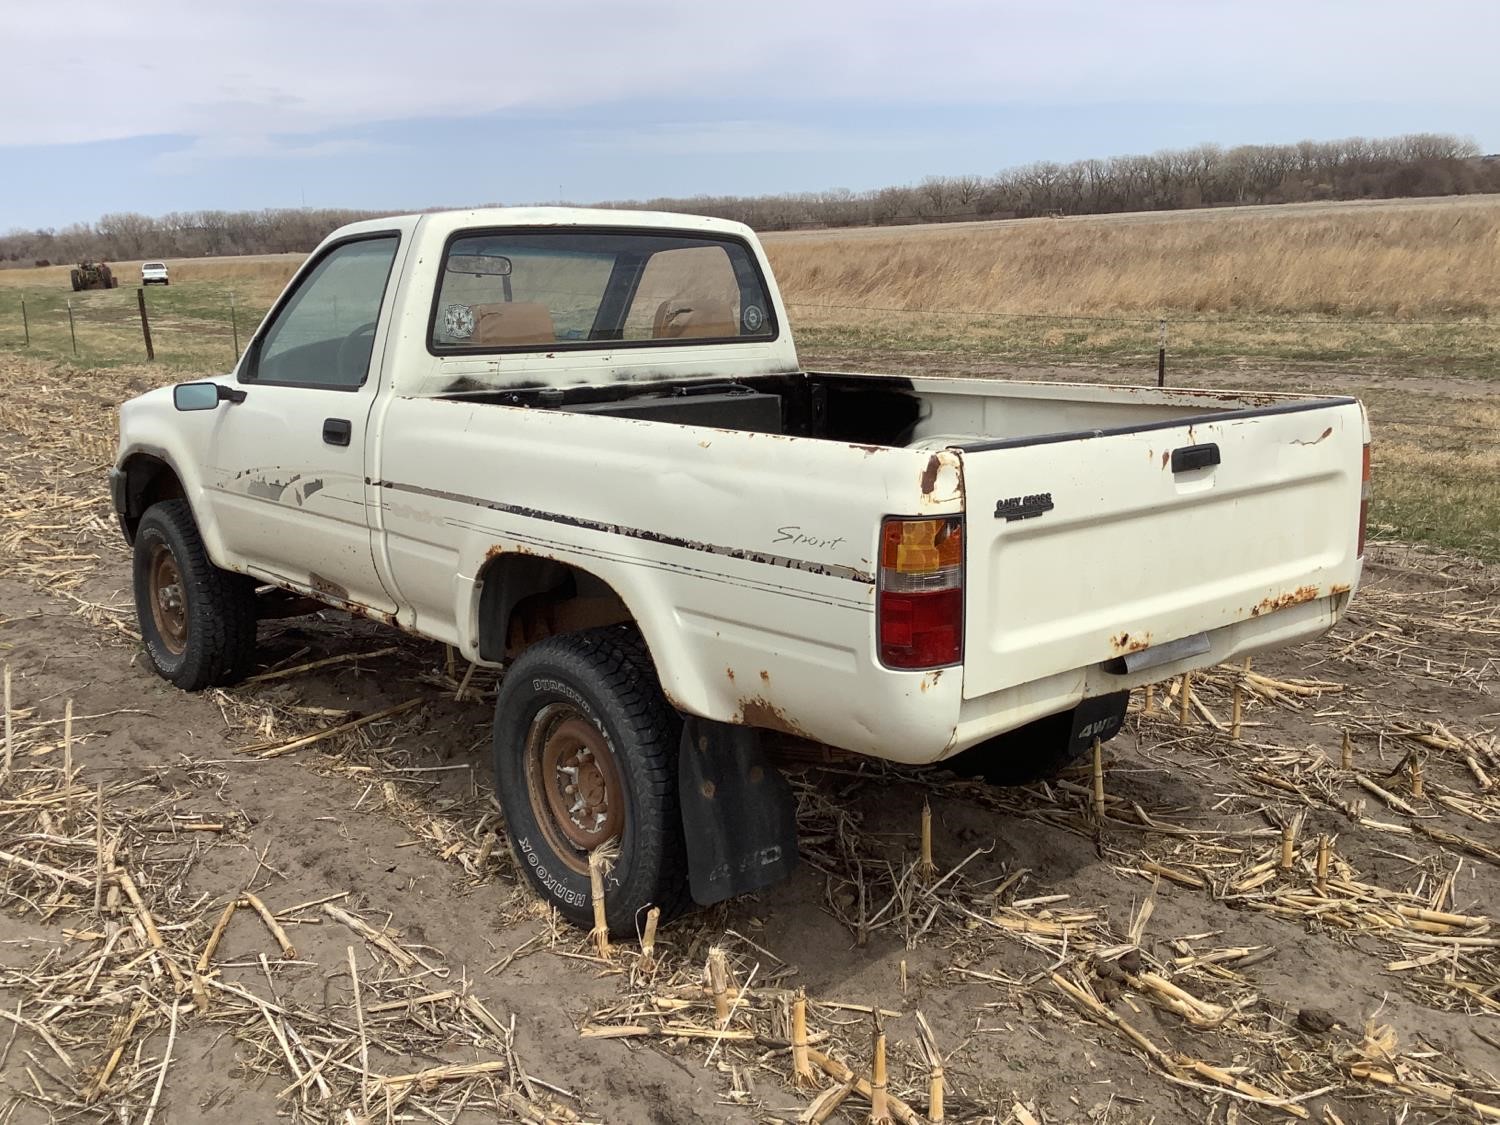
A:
[(323, 335)]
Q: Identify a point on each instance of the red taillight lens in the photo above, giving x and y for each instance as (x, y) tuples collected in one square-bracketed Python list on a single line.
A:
[(1364, 500), (920, 600)]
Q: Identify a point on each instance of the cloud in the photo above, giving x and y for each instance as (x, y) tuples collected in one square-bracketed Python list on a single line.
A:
[(737, 138), (256, 69), (203, 152)]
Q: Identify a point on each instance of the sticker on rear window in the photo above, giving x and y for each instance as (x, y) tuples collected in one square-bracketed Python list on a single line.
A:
[(458, 321)]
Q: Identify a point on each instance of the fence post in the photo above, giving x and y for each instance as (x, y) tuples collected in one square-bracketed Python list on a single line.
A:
[(25, 324), (1161, 352), (71, 331), (140, 298), (234, 327)]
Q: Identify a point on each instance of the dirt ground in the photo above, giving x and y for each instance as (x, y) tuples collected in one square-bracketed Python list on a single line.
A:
[(1147, 960)]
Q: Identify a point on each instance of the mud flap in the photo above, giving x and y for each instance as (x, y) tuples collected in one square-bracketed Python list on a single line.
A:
[(1099, 717), (738, 813)]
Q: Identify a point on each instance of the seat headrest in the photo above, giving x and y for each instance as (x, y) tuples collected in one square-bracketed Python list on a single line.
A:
[(686, 319), (512, 322)]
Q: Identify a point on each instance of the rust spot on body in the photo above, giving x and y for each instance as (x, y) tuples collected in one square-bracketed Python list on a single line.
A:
[(354, 609), (1285, 601), (1325, 434), (1124, 642), (1340, 588), (730, 673), (760, 713), (930, 679), (321, 585), (930, 475), (1166, 456)]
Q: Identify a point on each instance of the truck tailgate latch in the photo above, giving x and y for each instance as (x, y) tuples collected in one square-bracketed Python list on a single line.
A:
[(1189, 457), (739, 815)]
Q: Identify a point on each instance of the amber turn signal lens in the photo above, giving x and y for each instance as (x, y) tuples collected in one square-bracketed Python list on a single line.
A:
[(920, 602)]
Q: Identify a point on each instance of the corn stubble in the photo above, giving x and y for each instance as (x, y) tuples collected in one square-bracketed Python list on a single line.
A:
[(1301, 822)]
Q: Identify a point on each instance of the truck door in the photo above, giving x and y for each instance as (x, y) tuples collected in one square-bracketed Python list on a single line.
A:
[(290, 460)]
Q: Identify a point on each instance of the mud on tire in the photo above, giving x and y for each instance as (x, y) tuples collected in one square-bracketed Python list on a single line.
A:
[(585, 710), (197, 621)]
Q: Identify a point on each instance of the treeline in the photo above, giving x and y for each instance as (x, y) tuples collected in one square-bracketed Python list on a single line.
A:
[(180, 234), (1205, 176)]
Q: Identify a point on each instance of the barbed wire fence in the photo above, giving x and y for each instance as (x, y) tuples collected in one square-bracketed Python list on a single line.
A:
[(108, 327)]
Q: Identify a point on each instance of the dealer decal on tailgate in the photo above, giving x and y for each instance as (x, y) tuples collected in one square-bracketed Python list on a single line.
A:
[(1024, 507)]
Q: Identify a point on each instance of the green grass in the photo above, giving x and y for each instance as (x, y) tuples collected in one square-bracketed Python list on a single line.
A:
[(191, 328), (1457, 347), (1436, 469)]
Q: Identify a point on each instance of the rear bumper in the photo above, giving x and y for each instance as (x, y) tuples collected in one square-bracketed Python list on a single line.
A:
[(986, 716)]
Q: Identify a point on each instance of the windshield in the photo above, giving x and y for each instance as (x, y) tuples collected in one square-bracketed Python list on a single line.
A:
[(153, 265), (592, 289)]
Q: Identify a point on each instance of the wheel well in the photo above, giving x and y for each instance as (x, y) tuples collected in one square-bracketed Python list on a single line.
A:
[(148, 480), (525, 598)]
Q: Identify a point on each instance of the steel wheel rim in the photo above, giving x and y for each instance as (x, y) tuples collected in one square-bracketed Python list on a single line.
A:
[(168, 599), (574, 784)]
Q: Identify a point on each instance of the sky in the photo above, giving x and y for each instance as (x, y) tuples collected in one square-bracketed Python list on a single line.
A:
[(164, 105)]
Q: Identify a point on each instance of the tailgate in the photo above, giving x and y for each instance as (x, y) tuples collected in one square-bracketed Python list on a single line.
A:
[(1085, 547)]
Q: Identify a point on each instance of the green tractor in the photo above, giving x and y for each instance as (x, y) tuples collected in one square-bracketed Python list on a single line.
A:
[(94, 275)]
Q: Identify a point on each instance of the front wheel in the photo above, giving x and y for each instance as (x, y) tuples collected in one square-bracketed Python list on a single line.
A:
[(197, 621), (586, 753)]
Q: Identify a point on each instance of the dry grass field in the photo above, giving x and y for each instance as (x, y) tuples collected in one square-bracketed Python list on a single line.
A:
[(1397, 259)]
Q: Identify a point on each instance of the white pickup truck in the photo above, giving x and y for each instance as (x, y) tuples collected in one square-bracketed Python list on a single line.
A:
[(578, 445)]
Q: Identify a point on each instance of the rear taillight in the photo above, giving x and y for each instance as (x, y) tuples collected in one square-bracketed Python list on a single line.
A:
[(920, 600), (1364, 500)]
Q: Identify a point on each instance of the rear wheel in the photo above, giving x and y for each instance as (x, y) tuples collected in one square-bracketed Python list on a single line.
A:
[(586, 752), (197, 621)]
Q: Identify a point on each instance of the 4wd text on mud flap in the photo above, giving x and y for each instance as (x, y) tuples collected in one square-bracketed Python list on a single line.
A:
[(762, 858), (1096, 728)]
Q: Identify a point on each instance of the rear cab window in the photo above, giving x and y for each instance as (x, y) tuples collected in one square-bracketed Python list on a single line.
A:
[(579, 288)]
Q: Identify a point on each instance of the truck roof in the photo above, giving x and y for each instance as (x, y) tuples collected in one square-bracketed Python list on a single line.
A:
[(553, 216)]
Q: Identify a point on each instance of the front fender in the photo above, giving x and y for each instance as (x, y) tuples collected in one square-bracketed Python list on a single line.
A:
[(151, 429)]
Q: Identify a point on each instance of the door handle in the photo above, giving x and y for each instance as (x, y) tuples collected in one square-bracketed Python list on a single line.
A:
[(1189, 457), (336, 431)]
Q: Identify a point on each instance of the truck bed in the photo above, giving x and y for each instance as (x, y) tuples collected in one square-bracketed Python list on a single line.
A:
[(1114, 534)]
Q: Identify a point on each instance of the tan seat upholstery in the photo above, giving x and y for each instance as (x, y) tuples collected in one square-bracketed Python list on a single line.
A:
[(695, 320), (511, 323)]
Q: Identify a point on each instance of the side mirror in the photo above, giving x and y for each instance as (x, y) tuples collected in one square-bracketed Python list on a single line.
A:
[(203, 396)]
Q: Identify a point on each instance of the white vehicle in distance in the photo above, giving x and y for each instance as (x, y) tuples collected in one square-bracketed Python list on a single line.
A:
[(154, 273), (580, 446)]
